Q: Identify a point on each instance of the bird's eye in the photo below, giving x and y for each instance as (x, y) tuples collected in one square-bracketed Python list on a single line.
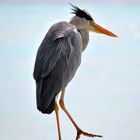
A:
[(92, 22)]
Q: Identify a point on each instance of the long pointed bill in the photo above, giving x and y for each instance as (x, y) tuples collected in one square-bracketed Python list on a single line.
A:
[(99, 29)]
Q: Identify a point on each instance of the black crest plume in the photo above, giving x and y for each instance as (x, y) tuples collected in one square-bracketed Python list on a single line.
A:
[(80, 13)]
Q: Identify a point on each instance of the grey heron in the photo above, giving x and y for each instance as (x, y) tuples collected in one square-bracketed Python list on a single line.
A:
[(58, 59)]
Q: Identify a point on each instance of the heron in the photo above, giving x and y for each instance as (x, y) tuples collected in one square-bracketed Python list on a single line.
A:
[(57, 61)]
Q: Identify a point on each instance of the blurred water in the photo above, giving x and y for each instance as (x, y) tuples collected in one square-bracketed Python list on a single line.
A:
[(104, 97)]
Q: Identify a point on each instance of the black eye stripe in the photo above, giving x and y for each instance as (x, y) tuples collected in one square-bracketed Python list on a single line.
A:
[(80, 13)]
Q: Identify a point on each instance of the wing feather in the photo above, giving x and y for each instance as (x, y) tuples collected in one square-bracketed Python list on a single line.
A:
[(56, 63), (47, 57)]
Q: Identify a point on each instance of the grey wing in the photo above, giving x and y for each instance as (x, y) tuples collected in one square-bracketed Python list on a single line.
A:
[(47, 57), (53, 64)]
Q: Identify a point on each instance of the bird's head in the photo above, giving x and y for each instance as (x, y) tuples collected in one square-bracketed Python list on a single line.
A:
[(84, 20)]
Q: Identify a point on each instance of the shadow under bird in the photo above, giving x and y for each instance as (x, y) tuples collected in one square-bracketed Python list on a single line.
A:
[(58, 59)]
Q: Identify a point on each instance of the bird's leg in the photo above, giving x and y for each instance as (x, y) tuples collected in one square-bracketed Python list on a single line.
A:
[(79, 131), (57, 119)]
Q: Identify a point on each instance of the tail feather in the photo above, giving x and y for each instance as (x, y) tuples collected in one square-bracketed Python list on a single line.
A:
[(49, 109), (47, 89), (45, 100)]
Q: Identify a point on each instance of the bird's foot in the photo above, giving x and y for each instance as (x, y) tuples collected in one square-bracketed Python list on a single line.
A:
[(80, 132)]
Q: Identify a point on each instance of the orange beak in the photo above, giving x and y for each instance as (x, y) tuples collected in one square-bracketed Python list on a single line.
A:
[(99, 29)]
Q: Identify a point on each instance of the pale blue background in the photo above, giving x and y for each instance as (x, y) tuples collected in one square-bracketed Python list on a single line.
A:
[(104, 96)]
